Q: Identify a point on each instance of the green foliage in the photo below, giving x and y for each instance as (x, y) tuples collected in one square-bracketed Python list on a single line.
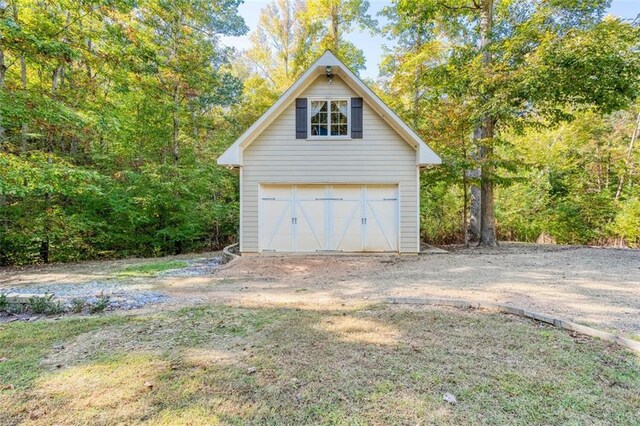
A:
[(100, 305), (561, 104), (627, 221), (76, 306), (113, 116), (44, 305), (3, 302)]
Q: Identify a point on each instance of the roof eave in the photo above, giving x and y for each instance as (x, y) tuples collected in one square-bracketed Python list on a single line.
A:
[(426, 156), (231, 157)]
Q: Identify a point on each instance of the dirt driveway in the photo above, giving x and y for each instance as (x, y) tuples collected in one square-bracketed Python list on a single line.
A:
[(598, 287)]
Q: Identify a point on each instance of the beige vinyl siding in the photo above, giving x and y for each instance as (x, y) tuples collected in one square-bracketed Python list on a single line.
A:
[(382, 156)]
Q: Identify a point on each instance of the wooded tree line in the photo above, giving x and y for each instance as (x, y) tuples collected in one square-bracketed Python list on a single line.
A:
[(113, 112)]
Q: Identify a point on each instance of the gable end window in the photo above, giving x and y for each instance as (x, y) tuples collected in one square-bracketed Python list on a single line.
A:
[(329, 117)]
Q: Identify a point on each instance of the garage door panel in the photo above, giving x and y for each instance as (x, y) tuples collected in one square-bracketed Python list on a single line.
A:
[(310, 218), (381, 232), (276, 225), (346, 225), (345, 217)]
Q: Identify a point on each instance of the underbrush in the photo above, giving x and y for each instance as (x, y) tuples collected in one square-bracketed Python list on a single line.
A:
[(49, 305)]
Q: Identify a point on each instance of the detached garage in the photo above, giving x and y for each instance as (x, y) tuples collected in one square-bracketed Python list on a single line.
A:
[(329, 168)]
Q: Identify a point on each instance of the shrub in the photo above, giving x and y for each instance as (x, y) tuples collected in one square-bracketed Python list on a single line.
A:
[(3, 302), (45, 305), (100, 305), (77, 305)]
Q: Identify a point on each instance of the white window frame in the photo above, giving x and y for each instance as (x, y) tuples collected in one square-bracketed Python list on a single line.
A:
[(329, 137)]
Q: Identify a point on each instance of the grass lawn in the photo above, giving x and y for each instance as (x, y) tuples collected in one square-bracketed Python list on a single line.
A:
[(373, 364), (147, 269)]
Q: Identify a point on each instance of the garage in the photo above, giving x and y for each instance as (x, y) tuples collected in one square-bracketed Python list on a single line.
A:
[(328, 218)]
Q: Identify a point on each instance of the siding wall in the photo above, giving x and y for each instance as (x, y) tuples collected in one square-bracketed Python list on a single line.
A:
[(382, 156)]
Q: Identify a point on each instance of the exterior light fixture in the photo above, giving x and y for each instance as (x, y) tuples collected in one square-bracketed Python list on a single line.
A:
[(329, 71)]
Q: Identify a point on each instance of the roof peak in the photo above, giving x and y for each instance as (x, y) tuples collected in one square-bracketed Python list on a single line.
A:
[(233, 155)]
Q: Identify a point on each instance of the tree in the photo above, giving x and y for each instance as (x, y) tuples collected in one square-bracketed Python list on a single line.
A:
[(97, 97), (330, 20), (278, 41), (518, 63)]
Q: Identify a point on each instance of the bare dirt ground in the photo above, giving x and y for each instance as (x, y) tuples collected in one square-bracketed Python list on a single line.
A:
[(593, 286)]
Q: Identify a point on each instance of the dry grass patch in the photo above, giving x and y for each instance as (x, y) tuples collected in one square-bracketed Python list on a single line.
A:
[(364, 365)]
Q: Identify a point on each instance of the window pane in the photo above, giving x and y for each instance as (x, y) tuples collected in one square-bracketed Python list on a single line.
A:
[(319, 118), (339, 118)]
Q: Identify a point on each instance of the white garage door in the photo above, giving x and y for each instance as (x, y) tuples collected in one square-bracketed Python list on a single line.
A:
[(317, 218)]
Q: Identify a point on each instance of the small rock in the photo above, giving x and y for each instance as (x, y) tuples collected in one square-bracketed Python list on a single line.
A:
[(450, 398), (298, 398), (251, 370), (3, 359), (58, 365), (148, 385), (58, 347), (8, 387)]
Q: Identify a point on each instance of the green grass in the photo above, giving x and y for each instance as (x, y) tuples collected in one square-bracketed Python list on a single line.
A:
[(25, 344), (147, 269), (372, 365)]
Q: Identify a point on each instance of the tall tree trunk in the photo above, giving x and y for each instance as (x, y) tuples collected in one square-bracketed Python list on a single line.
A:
[(627, 162), (335, 31), (475, 195), (46, 227), (487, 217), (23, 79), (486, 133), (465, 194), (175, 150), (3, 69), (3, 200)]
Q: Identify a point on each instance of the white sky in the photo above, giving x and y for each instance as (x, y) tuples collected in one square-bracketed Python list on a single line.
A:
[(372, 44)]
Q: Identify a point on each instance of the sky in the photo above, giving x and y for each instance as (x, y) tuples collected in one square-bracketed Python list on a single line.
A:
[(372, 44)]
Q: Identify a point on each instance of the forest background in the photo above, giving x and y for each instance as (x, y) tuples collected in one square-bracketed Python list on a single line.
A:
[(113, 112)]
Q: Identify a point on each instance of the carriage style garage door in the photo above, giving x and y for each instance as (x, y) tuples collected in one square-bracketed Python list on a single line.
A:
[(319, 218)]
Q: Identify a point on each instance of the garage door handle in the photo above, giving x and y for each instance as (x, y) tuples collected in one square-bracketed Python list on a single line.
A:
[(269, 198), (389, 199), (294, 220), (329, 198), (363, 220)]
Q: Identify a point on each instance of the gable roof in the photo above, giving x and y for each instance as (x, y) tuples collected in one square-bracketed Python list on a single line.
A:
[(233, 155)]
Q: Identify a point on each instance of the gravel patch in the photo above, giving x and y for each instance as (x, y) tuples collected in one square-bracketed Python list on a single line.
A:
[(119, 296), (195, 268), (123, 294)]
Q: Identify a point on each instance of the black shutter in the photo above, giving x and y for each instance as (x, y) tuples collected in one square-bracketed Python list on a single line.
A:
[(356, 118), (301, 118)]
